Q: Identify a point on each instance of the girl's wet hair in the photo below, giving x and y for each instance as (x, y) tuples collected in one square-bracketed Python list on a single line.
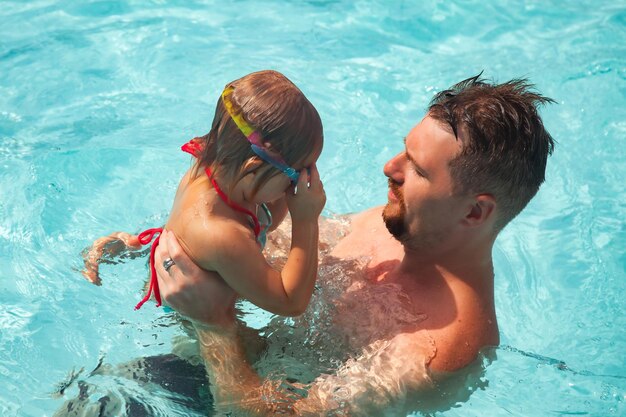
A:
[(272, 105)]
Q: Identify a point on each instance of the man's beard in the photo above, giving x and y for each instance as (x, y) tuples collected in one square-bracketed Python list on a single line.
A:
[(394, 214)]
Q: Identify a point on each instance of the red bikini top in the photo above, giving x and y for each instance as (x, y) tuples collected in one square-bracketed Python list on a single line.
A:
[(194, 147)]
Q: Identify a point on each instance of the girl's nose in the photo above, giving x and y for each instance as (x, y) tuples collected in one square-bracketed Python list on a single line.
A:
[(394, 168)]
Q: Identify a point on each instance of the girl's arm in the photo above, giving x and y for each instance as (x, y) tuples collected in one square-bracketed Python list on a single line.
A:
[(93, 254), (237, 259)]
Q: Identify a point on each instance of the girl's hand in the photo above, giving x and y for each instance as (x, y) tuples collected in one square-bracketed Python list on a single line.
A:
[(111, 245), (306, 200)]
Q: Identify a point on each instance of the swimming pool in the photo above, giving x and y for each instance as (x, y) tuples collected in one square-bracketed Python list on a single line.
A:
[(97, 96)]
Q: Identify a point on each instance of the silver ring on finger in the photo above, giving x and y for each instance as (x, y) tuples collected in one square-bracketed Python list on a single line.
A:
[(167, 264)]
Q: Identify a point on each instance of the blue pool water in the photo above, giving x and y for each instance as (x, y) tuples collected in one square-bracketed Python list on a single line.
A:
[(97, 96)]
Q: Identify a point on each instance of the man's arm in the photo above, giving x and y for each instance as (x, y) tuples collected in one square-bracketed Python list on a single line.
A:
[(380, 377), (235, 385), (388, 374)]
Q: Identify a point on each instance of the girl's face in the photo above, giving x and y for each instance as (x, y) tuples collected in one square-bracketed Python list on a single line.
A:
[(275, 187)]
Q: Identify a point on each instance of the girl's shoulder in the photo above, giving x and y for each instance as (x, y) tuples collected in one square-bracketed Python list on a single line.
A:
[(207, 239)]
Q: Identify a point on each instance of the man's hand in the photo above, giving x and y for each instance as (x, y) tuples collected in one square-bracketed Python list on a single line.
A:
[(195, 293)]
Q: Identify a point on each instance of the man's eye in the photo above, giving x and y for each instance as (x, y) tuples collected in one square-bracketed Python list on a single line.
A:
[(415, 168)]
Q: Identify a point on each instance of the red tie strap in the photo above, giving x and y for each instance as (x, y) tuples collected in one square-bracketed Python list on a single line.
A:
[(193, 147), (146, 237)]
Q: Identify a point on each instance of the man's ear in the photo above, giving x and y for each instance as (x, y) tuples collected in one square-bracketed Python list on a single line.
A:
[(481, 210)]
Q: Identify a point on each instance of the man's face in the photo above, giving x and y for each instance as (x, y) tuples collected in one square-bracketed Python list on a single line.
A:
[(422, 210)]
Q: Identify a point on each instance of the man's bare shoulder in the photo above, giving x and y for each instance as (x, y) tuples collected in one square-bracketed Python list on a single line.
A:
[(458, 345), (440, 355), (368, 236), (369, 217)]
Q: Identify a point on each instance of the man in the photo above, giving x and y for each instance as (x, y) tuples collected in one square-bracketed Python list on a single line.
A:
[(468, 168)]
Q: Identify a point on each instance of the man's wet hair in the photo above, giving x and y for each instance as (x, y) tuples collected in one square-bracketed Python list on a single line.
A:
[(505, 145)]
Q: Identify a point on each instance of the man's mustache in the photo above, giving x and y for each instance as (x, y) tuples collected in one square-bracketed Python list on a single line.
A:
[(395, 189)]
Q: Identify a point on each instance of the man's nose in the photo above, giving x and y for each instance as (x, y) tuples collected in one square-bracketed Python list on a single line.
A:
[(394, 168)]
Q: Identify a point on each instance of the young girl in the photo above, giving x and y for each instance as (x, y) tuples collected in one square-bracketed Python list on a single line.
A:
[(257, 162)]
